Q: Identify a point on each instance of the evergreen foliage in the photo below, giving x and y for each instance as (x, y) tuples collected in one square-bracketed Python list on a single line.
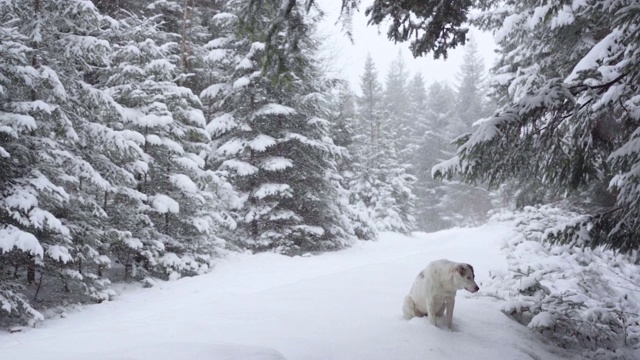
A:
[(53, 219), (568, 125), (175, 231), (343, 122), (381, 183), (396, 104), (434, 116), (102, 156), (441, 29), (577, 298), (272, 135), (471, 100)]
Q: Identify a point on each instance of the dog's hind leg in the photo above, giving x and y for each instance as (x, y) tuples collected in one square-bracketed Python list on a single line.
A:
[(408, 308)]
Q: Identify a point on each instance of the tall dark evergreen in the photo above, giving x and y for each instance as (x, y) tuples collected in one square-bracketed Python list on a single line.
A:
[(271, 134), (58, 168), (102, 156)]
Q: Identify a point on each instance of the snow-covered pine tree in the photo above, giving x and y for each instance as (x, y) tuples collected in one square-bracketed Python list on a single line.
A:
[(431, 112), (471, 92), (343, 120), (569, 115), (93, 164), (382, 184), (53, 197), (174, 231), (463, 204), (417, 104), (397, 105), (269, 132), (419, 123), (19, 248)]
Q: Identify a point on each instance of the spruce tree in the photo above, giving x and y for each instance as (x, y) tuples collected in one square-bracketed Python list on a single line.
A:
[(568, 117), (60, 156), (397, 106), (174, 232), (432, 109), (19, 248), (471, 97), (382, 184), (343, 121), (465, 204), (270, 133)]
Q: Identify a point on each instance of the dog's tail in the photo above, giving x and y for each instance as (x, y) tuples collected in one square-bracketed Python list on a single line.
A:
[(408, 308)]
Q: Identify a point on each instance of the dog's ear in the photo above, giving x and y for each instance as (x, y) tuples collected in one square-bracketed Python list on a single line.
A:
[(462, 269)]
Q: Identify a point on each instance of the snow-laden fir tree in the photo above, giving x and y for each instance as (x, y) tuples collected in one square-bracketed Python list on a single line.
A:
[(270, 133), (58, 166), (463, 204), (343, 121), (432, 110), (471, 93), (381, 182), (567, 77), (175, 228), (397, 107), (19, 247)]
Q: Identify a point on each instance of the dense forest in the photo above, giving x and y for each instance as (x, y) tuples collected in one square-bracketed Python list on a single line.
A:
[(146, 139)]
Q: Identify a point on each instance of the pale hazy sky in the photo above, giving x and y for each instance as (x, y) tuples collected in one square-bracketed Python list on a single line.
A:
[(348, 58)]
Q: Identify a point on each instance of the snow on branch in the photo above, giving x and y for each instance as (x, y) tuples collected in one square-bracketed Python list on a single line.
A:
[(59, 253), (276, 163), (448, 166), (608, 47), (309, 230), (262, 142), (241, 167), (184, 183), (10, 123), (274, 109), (231, 147), (213, 90), (11, 237), (221, 124), (270, 189), (164, 204)]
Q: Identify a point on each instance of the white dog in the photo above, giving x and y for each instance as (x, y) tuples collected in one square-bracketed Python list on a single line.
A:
[(435, 288)]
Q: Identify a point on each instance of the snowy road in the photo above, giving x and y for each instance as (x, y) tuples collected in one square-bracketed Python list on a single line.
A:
[(343, 305)]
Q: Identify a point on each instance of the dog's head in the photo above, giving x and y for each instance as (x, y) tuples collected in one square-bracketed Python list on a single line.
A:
[(465, 278)]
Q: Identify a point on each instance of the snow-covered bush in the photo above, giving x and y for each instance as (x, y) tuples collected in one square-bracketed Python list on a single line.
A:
[(14, 306), (579, 298)]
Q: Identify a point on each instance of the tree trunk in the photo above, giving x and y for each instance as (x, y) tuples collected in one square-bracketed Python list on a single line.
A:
[(183, 43), (31, 271)]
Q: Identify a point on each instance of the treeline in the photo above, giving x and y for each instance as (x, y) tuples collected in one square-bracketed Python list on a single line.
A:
[(403, 127), (143, 139)]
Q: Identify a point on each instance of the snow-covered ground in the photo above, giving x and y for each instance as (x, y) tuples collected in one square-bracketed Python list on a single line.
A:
[(342, 305)]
